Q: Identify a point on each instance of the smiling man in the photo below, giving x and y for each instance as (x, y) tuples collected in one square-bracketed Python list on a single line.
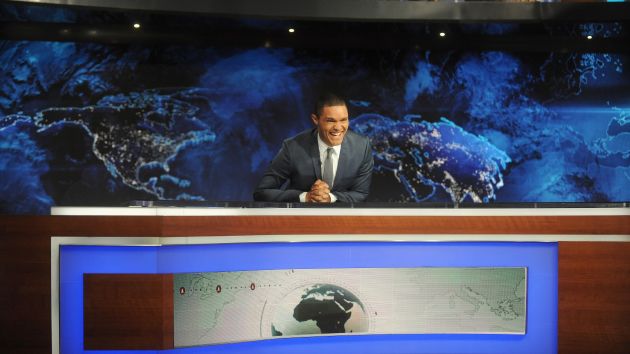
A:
[(322, 165)]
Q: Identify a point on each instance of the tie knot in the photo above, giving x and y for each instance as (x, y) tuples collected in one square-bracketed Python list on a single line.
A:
[(329, 152)]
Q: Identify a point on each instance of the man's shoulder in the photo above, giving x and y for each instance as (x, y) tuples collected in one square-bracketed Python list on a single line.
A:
[(305, 137), (357, 138), (309, 136)]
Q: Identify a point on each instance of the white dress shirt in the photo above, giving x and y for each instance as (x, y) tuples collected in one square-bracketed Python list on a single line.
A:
[(322, 157)]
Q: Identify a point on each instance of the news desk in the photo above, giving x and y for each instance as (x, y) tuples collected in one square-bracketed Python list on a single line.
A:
[(593, 248)]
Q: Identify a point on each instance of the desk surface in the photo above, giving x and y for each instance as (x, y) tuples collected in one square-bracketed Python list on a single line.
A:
[(151, 208), (231, 224)]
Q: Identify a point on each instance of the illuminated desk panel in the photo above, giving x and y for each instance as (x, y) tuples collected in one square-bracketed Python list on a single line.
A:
[(590, 230), (539, 258)]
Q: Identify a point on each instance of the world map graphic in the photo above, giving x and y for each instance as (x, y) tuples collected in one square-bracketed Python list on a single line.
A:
[(104, 124), (225, 307)]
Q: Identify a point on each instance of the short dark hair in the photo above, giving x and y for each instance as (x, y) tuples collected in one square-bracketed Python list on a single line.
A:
[(327, 99)]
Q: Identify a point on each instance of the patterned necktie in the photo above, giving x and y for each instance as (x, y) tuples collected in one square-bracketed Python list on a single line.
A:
[(328, 168)]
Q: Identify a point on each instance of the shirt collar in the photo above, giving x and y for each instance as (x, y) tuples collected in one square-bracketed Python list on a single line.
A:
[(323, 146)]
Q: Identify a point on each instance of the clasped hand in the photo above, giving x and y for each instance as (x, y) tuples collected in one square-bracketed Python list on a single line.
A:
[(319, 193)]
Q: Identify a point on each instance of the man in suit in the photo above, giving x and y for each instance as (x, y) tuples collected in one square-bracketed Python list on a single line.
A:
[(322, 165)]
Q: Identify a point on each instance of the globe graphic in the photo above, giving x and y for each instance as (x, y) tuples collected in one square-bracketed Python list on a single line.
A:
[(319, 309)]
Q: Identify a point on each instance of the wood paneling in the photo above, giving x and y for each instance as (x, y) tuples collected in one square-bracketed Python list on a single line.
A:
[(283, 225), (128, 311), (105, 226), (25, 290), (594, 297), (25, 271)]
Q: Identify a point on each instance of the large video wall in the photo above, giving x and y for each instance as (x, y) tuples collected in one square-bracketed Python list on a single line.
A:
[(86, 123)]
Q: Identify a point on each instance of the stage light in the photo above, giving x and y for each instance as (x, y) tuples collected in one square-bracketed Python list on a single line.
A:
[(442, 34), (291, 30), (589, 37), (136, 25)]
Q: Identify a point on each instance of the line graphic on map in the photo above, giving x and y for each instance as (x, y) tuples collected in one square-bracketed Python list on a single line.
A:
[(225, 307)]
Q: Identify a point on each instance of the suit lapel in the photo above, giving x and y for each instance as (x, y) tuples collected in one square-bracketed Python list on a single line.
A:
[(315, 156), (343, 157)]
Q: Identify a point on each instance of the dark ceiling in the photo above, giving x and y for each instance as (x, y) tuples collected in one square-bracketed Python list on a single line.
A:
[(557, 28)]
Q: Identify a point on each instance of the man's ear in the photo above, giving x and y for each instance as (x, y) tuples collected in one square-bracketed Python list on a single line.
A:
[(314, 119)]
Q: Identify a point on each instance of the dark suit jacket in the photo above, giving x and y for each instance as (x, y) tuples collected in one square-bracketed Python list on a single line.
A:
[(298, 165)]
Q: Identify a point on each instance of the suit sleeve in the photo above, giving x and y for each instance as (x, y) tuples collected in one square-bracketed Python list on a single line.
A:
[(359, 190), (269, 188)]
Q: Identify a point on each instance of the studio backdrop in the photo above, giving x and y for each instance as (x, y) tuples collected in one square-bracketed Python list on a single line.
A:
[(89, 123)]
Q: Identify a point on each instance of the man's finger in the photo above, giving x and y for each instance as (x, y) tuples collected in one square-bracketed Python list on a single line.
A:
[(323, 187), (321, 190), (317, 196), (322, 198), (320, 183)]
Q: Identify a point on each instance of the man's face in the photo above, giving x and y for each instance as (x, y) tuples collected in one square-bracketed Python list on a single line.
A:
[(332, 124)]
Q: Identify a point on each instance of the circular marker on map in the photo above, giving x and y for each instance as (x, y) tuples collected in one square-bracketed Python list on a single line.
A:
[(182, 291), (252, 286), (218, 288)]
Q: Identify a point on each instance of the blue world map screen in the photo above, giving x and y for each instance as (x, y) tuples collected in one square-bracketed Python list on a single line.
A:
[(85, 123)]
